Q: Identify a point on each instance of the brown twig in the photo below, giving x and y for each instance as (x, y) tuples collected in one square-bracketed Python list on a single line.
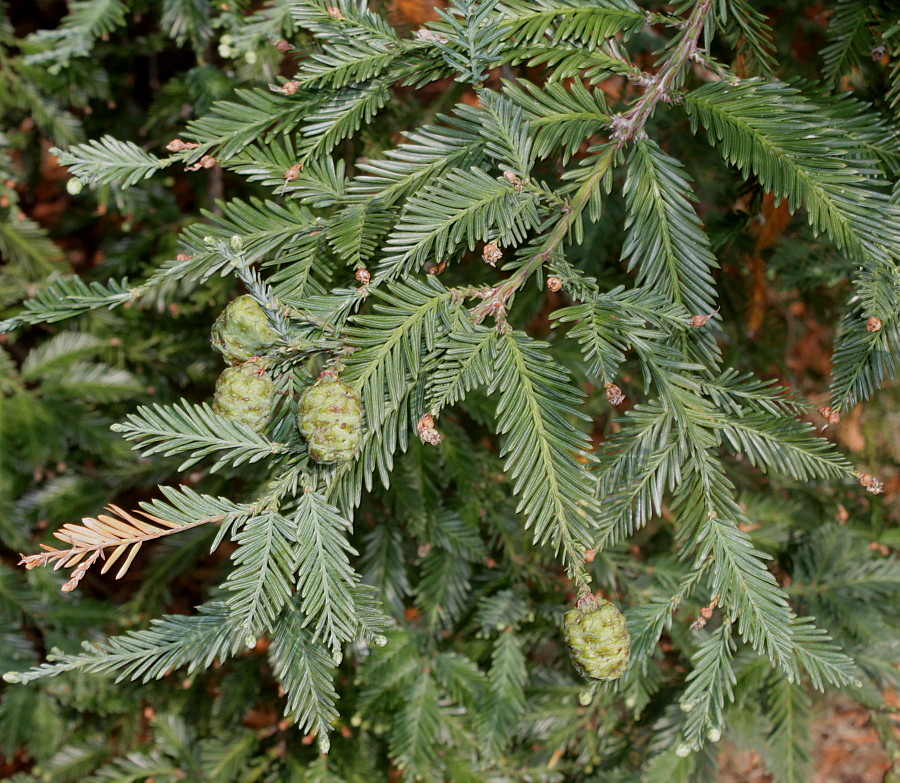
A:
[(87, 541)]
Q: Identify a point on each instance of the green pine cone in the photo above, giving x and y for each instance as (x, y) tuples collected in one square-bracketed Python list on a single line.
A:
[(245, 394), (243, 331), (599, 644), (330, 418)]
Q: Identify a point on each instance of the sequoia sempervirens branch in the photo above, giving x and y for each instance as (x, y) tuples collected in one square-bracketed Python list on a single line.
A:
[(630, 125), (87, 542), (625, 127), (495, 299)]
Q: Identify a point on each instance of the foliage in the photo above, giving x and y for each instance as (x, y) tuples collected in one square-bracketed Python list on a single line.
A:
[(497, 227)]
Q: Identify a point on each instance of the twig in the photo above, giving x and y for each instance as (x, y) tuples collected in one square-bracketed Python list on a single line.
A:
[(630, 125), (625, 128), (87, 541)]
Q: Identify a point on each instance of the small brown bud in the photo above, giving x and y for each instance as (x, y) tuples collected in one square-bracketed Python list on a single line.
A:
[(491, 253), (177, 145), (435, 269), (513, 178), (282, 46), (430, 35), (699, 320), (613, 394), (554, 284), (363, 276), (292, 173), (334, 12), (208, 161), (427, 431), (832, 416), (873, 324), (290, 88), (871, 483), (183, 257)]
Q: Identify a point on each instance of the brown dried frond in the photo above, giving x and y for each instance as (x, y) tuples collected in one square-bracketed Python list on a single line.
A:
[(123, 531)]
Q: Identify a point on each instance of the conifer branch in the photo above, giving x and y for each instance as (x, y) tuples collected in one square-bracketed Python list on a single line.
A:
[(495, 300), (630, 125), (87, 541)]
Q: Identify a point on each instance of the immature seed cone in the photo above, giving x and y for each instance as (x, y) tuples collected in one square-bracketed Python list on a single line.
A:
[(599, 644), (245, 394), (242, 331), (330, 417)]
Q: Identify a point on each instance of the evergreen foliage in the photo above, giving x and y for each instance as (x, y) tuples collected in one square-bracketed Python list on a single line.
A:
[(489, 226)]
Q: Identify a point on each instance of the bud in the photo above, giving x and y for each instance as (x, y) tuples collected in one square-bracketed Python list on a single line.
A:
[(74, 187), (209, 241), (330, 418), (427, 431), (250, 640), (430, 35), (292, 173), (699, 320), (491, 253), (323, 742), (873, 324), (513, 179), (208, 162), (290, 88), (183, 257), (585, 697), (177, 145), (871, 483), (11, 677), (714, 735), (379, 640), (236, 242), (831, 416), (614, 394), (598, 641), (683, 751), (334, 12), (687, 706), (554, 284), (282, 46), (363, 276)]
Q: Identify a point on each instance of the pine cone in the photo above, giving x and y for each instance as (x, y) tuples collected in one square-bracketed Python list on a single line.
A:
[(245, 394), (599, 644), (243, 331), (330, 418)]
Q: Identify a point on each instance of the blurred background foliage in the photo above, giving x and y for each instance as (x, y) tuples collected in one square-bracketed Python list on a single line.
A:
[(139, 70)]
